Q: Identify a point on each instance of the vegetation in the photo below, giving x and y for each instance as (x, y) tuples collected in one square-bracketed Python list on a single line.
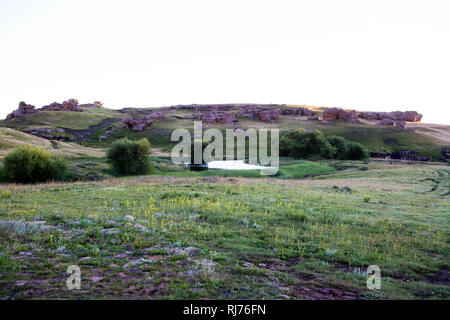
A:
[(305, 144), (340, 146), (129, 157), (31, 164), (229, 238), (356, 151)]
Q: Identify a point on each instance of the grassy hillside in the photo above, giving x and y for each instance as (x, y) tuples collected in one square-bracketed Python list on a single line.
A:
[(89, 125), (10, 139)]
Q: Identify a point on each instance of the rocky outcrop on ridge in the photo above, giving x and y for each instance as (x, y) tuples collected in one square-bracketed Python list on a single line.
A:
[(23, 110)]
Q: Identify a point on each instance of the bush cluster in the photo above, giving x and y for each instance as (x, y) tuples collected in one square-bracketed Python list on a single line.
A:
[(313, 144), (128, 157), (31, 164)]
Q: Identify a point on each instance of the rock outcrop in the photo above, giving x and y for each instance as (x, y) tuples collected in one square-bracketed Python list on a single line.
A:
[(70, 105), (340, 114), (137, 124), (254, 112), (407, 116), (297, 111), (23, 110), (215, 115)]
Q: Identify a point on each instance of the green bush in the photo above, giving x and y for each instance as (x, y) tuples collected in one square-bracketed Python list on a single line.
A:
[(305, 144), (356, 151), (129, 157), (340, 146), (31, 164)]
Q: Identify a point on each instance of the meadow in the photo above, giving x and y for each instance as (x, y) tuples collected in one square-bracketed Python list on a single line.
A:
[(178, 234)]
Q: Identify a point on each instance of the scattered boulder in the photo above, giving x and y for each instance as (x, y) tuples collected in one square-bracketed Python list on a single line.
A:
[(215, 115), (297, 111), (386, 122), (23, 110), (137, 124), (407, 116), (255, 112), (325, 123), (313, 118), (401, 124)]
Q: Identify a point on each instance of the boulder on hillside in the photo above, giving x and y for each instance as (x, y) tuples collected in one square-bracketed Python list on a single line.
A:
[(407, 116), (401, 124), (215, 115), (137, 124), (70, 105), (297, 111), (340, 114), (254, 112), (313, 118), (23, 110), (386, 122)]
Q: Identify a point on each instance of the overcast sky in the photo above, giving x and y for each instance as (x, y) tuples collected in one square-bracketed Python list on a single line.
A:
[(362, 54)]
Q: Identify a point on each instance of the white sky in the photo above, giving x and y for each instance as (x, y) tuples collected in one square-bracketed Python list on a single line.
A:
[(364, 54)]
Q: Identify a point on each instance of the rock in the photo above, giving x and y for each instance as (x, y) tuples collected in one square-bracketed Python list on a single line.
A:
[(95, 279), (129, 218), (137, 124), (23, 110), (401, 124), (340, 114), (297, 111), (313, 118), (21, 283), (110, 231), (84, 259), (325, 123), (407, 116), (254, 112), (386, 122), (215, 115), (70, 105), (157, 115)]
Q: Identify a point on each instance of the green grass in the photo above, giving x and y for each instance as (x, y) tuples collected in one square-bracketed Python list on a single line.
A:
[(255, 238)]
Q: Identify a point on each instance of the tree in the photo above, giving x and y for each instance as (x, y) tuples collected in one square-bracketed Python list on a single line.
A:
[(340, 146), (356, 151), (130, 157), (305, 144)]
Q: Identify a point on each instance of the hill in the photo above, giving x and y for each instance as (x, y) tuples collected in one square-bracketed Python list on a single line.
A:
[(10, 139), (96, 126)]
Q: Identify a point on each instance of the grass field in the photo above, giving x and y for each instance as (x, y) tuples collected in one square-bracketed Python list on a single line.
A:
[(223, 237)]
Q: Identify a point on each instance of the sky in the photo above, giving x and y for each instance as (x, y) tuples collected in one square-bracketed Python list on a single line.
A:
[(362, 54)]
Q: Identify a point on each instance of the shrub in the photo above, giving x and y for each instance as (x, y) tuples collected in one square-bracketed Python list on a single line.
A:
[(305, 144), (356, 151), (31, 164), (129, 157), (340, 146)]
